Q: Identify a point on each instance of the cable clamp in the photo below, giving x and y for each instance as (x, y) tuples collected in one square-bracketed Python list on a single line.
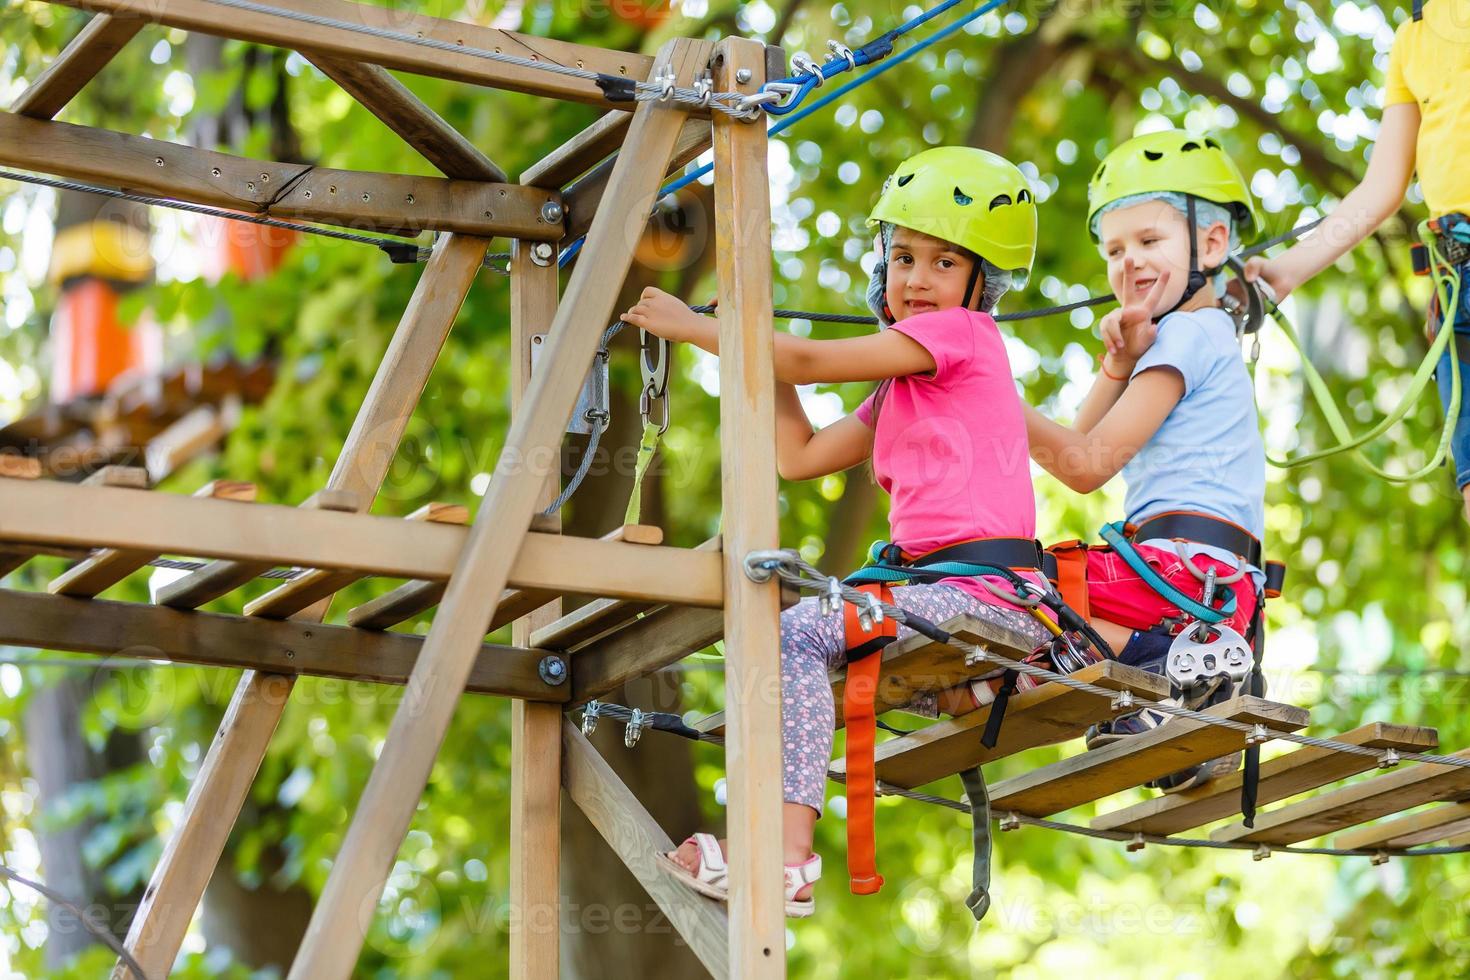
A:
[(842, 51), (802, 64)]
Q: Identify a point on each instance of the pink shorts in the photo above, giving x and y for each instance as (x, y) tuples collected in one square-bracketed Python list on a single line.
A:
[(1119, 595)]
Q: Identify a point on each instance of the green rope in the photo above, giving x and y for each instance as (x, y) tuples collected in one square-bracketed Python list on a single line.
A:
[(647, 446), (1447, 288)]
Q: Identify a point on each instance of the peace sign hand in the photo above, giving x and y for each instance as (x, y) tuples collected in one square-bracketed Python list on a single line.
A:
[(1129, 331)]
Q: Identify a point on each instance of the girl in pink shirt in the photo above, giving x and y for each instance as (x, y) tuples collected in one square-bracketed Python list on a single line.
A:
[(944, 430)]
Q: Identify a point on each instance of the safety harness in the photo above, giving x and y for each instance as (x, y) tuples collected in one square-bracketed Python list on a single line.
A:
[(867, 632), (1190, 528)]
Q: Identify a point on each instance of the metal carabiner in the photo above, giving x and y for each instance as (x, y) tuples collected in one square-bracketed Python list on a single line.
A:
[(653, 363), (645, 408)]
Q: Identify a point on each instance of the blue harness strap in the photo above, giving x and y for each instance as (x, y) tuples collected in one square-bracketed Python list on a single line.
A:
[(1115, 535)]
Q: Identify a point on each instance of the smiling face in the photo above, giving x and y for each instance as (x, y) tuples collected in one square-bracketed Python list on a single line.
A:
[(1154, 235), (927, 273)]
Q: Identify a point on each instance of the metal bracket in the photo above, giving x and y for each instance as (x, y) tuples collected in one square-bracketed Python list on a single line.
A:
[(593, 407)]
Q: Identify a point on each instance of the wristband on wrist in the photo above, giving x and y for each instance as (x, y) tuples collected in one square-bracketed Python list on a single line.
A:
[(1102, 363)]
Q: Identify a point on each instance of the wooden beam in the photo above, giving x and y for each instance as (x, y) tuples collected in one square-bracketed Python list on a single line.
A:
[(14, 466), (583, 198), (1285, 776), (401, 111), (1043, 715), (401, 54), (111, 565), (412, 598), (392, 203), (335, 935), (273, 534), (1180, 743), (660, 638), (636, 837), (214, 802), (1434, 824), (748, 487), (289, 647), (1400, 789), (580, 153), (535, 732), (317, 584), (96, 44)]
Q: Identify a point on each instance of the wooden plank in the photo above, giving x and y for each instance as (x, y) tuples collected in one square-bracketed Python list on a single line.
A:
[(347, 41), (1434, 824), (401, 111), (1400, 789), (392, 203), (334, 935), (535, 732), (578, 155), (318, 584), (660, 638), (636, 837), (273, 534), (192, 851), (1043, 715), (219, 792), (189, 437), (1285, 776), (1176, 745), (583, 198), (96, 44), (412, 598), (288, 648), (111, 565), (757, 932)]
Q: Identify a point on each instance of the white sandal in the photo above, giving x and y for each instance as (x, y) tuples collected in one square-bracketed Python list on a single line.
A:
[(713, 877)]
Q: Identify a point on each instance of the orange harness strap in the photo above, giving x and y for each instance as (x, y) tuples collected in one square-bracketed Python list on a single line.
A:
[(864, 663), (1071, 579)]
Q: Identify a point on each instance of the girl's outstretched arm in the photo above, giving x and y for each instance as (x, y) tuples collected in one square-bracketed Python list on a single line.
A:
[(1085, 461), (804, 454), (799, 360)]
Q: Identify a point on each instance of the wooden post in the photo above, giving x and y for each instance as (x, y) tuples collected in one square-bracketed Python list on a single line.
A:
[(535, 733), (234, 757), (748, 487), (335, 935)]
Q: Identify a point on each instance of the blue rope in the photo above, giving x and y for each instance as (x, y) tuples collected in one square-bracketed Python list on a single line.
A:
[(786, 122)]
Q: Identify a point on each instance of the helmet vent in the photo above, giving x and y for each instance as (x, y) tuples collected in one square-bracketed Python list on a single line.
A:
[(903, 181), (998, 200), (1211, 143), (1023, 197), (1191, 145), (961, 198), (1153, 154)]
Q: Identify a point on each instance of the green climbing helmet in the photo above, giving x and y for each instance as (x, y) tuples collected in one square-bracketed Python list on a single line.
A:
[(970, 197), (1173, 160)]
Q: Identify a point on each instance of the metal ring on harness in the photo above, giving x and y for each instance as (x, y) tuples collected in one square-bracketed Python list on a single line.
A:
[(1186, 550)]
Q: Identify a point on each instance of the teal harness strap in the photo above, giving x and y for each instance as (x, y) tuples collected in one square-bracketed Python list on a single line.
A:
[(1114, 535), (878, 569)]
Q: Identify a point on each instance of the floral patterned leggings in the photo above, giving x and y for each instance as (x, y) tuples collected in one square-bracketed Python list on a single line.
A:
[(813, 644)]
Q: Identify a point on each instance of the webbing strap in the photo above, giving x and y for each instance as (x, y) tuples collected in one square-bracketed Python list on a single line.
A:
[(1115, 535), (860, 717), (647, 446)]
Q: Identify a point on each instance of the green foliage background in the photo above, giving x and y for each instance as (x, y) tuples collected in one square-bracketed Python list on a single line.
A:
[(1378, 572)]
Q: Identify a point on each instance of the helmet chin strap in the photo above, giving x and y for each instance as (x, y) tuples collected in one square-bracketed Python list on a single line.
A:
[(1198, 278), (974, 281)]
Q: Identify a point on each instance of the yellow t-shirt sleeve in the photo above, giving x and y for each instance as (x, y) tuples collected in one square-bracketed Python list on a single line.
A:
[(1395, 89)]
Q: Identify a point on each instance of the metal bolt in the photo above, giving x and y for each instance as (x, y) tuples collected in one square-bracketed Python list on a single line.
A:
[(214, 172), (250, 186), (265, 178), (366, 198), (743, 75), (552, 212), (408, 199), (158, 160), (553, 670), (542, 254), (290, 654)]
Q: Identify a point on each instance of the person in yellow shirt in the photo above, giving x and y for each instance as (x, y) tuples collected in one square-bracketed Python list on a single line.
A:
[(1425, 126)]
